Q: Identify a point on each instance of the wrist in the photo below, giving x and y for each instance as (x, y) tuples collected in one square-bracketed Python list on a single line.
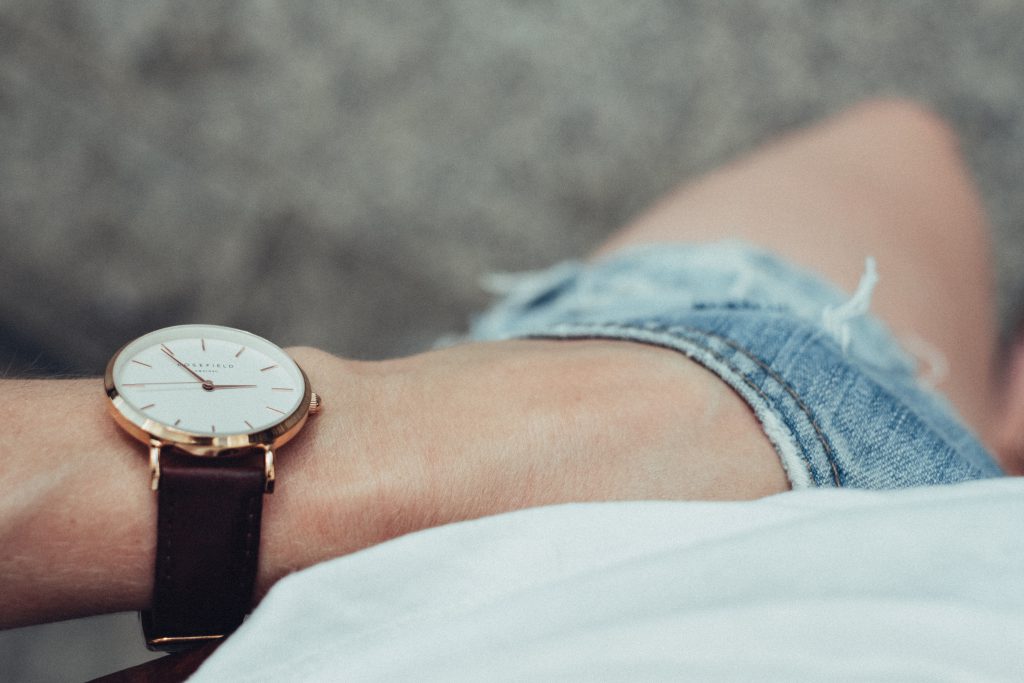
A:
[(346, 481)]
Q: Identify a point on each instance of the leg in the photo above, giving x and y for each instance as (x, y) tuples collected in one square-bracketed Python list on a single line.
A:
[(882, 179)]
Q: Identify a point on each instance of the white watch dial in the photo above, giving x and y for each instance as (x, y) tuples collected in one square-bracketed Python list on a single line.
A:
[(208, 380)]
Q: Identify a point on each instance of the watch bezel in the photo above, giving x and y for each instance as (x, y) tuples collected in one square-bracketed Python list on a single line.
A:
[(148, 431)]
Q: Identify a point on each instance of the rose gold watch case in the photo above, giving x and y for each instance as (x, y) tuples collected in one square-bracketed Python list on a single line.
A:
[(149, 431)]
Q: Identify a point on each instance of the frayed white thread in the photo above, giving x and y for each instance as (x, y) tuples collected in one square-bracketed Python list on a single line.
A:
[(837, 319), (932, 365)]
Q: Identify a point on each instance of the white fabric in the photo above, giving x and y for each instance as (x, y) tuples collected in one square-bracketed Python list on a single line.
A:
[(916, 585)]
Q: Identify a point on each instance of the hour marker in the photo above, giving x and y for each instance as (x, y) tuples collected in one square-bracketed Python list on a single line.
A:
[(177, 422), (213, 428), (141, 363), (282, 389), (269, 367), (277, 411), (248, 425), (239, 352), (203, 343), (147, 407)]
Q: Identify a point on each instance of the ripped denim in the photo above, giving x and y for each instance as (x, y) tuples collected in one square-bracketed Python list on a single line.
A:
[(834, 391)]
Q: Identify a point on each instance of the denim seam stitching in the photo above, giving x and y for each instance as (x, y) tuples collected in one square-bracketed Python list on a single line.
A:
[(676, 329), (804, 408), (769, 401), (938, 430)]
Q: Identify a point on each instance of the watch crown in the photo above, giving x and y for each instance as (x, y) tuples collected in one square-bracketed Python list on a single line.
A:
[(315, 402)]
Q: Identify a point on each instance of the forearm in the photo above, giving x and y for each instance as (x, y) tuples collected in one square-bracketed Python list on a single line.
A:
[(400, 446), (76, 514)]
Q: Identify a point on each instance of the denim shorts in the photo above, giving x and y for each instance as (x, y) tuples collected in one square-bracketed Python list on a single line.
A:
[(834, 391)]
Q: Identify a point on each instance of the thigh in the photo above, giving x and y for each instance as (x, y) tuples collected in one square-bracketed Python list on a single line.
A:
[(834, 395), (884, 179)]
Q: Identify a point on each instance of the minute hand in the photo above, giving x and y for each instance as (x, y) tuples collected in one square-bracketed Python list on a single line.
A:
[(189, 370), (234, 386)]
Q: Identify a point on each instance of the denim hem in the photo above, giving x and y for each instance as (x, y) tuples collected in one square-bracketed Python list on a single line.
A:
[(833, 390)]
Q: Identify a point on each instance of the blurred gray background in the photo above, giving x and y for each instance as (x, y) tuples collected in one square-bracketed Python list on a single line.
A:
[(342, 173)]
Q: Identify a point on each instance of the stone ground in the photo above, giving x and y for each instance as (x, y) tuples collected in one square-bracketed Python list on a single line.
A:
[(342, 174)]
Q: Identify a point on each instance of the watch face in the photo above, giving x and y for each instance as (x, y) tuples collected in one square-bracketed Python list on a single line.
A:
[(208, 386)]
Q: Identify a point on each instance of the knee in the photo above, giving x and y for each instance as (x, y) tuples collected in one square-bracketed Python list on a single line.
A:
[(912, 122)]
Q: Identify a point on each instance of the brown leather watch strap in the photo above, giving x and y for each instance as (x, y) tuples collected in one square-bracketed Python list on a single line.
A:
[(208, 537)]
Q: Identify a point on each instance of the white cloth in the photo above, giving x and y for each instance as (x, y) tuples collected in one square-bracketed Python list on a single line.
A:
[(915, 585)]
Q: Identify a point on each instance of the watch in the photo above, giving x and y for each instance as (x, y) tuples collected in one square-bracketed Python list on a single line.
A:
[(213, 404)]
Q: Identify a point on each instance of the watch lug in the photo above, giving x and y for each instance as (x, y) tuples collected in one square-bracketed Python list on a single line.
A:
[(269, 473), (154, 464), (268, 470)]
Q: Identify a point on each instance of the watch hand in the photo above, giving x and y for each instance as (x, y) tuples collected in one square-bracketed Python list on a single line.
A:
[(234, 386), (146, 384), (207, 384)]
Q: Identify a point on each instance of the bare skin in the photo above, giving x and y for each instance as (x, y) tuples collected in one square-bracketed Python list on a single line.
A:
[(883, 179), (401, 445), (483, 428)]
